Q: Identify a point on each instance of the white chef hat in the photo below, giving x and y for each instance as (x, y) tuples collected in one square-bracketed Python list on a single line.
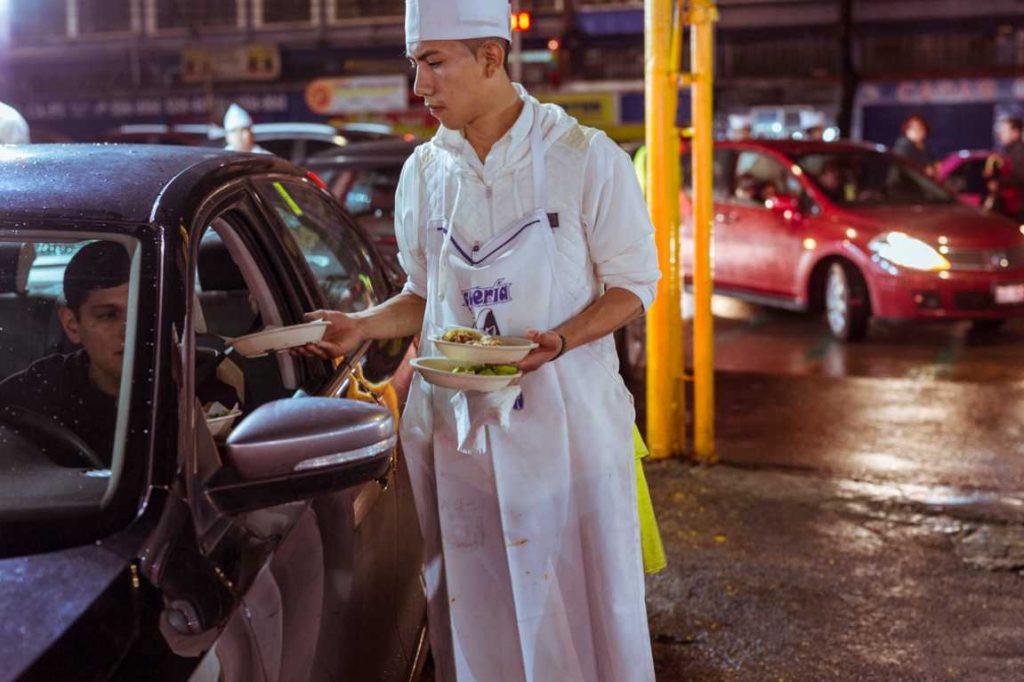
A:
[(236, 117), (457, 20), (13, 127)]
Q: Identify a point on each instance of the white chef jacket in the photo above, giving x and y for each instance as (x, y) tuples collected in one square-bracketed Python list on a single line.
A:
[(606, 239)]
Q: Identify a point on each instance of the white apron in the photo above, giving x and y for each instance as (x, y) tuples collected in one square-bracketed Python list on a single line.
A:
[(532, 551)]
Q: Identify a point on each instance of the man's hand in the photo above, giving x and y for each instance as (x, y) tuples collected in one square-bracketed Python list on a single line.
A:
[(549, 345), (343, 336)]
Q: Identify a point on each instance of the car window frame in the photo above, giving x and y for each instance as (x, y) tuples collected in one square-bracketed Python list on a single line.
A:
[(138, 421), (383, 286)]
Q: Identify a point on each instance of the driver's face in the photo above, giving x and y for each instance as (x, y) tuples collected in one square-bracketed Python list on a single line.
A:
[(99, 328)]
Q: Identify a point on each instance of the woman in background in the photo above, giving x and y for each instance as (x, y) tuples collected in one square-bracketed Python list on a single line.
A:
[(913, 144)]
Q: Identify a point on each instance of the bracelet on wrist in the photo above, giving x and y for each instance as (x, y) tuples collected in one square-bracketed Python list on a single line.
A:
[(561, 351)]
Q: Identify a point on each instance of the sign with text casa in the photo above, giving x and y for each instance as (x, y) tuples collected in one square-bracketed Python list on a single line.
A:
[(254, 62), (358, 94)]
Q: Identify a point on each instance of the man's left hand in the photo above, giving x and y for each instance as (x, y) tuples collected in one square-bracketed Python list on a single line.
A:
[(549, 344)]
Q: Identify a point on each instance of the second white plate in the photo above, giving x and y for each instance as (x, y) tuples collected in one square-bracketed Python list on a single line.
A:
[(438, 371)]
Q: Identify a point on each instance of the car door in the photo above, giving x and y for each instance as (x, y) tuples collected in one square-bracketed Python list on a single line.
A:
[(723, 162), (277, 560), (70, 597), (352, 279), (760, 246)]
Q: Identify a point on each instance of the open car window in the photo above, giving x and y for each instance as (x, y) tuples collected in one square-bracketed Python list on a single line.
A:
[(68, 319), (233, 299)]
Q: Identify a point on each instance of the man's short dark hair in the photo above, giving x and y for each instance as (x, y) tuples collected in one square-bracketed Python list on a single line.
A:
[(475, 44), (100, 265), (1014, 122)]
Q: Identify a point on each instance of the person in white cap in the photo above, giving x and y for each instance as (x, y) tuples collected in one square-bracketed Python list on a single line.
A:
[(13, 126), (517, 220), (238, 131)]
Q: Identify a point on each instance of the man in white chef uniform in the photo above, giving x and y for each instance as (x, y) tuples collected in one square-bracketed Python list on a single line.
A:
[(514, 219)]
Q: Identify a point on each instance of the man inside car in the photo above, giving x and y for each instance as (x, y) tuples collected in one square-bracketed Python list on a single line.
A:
[(79, 390)]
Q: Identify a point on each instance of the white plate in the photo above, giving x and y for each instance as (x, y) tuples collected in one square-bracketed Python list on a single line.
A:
[(279, 338), (438, 371), (512, 349), (221, 426)]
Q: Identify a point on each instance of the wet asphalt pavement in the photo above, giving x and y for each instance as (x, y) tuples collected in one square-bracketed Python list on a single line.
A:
[(866, 521)]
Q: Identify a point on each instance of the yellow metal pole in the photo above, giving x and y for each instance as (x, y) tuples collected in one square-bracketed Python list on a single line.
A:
[(703, 14), (665, 410)]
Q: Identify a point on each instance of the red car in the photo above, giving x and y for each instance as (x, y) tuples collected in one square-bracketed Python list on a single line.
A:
[(964, 172), (854, 231)]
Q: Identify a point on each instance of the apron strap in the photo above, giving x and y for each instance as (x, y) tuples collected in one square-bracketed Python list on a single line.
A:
[(540, 185)]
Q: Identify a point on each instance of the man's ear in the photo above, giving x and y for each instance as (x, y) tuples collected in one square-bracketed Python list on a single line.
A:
[(493, 57), (69, 321)]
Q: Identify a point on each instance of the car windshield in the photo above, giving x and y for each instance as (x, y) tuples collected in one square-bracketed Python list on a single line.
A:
[(871, 178)]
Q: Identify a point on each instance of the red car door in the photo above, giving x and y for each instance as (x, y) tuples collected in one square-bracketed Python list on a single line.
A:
[(762, 237)]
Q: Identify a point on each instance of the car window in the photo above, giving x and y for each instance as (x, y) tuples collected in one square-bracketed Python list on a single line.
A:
[(67, 330), (968, 177), (721, 175), (232, 300), (871, 178), (314, 147), (760, 177), (283, 148), (335, 255), (372, 193)]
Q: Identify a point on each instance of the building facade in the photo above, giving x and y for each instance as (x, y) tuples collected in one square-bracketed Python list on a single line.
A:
[(80, 67)]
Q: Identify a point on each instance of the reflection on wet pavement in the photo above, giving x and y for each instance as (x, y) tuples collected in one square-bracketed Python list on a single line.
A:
[(867, 519), (751, 338)]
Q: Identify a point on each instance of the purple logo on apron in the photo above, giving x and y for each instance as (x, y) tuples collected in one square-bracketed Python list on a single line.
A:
[(498, 293)]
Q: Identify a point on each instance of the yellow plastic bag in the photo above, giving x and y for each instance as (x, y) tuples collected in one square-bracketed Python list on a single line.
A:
[(650, 537)]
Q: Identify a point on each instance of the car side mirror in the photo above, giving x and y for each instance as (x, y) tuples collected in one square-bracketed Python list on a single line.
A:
[(295, 449), (784, 205)]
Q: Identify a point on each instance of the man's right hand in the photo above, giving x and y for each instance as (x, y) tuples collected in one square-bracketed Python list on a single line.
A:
[(343, 336)]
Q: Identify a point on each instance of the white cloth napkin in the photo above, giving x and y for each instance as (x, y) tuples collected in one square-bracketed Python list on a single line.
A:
[(474, 411)]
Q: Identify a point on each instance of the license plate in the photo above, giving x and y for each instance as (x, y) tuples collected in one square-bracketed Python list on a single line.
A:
[(1009, 294)]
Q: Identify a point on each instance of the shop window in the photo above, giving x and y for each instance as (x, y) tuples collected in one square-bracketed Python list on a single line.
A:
[(104, 16), (31, 23), (287, 11), (359, 9), (175, 14)]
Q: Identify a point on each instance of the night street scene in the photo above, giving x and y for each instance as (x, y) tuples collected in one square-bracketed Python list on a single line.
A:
[(511, 340)]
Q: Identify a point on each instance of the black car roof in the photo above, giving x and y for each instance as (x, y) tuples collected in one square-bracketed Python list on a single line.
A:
[(119, 182), (368, 153)]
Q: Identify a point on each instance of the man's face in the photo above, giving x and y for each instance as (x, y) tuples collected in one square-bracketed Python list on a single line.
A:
[(449, 79), (916, 131), (99, 328), (241, 139), (1006, 133)]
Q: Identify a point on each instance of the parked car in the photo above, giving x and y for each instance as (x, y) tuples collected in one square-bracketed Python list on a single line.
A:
[(299, 141), (364, 176), (855, 232), (196, 134), (964, 173), (286, 549)]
